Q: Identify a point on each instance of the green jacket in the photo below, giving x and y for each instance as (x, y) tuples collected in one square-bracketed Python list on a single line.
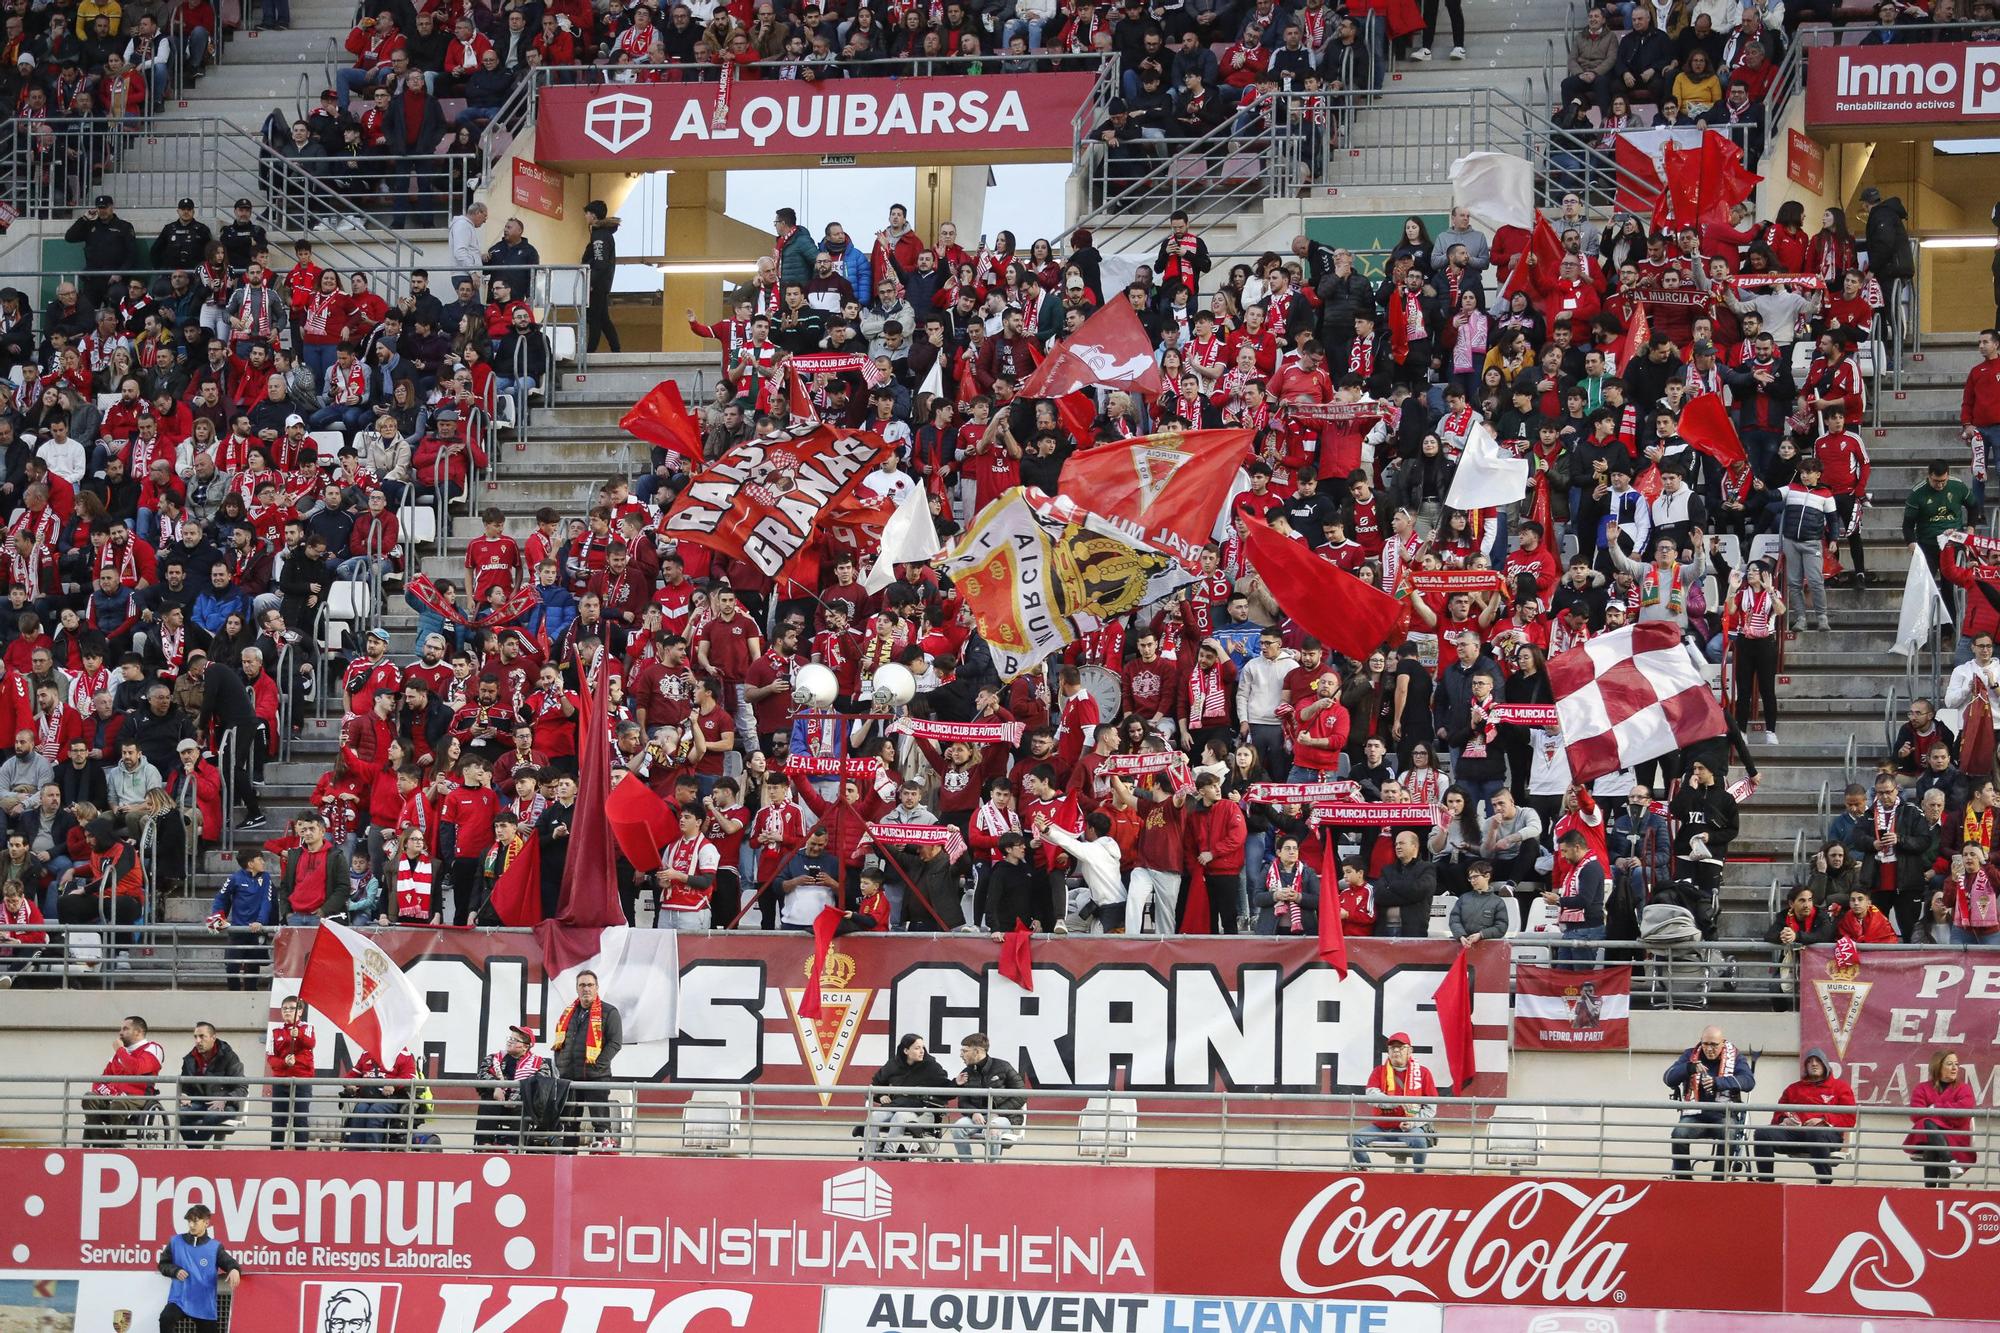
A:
[(796, 254), (1929, 511)]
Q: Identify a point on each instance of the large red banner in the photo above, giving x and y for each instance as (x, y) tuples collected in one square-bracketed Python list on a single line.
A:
[(1903, 84), (1247, 1014), (464, 1238), (760, 501), (1881, 1020), (865, 118)]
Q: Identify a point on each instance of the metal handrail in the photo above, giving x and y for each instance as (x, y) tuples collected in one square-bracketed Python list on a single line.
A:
[(1575, 1138)]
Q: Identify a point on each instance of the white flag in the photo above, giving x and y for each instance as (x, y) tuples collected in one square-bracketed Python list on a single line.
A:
[(1497, 188), (1487, 475), (358, 988), (909, 537), (934, 382), (1924, 609)]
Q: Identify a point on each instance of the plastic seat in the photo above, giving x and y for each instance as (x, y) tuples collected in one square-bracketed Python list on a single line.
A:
[(329, 443), (712, 1122), (1107, 1127)]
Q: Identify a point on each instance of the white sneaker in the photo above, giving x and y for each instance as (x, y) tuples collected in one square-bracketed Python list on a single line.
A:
[(1458, 53), (1421, 53), (1770, 737)]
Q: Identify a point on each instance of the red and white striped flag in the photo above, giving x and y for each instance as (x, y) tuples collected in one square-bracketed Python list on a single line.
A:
[(1628, 696), (1563, 1009)]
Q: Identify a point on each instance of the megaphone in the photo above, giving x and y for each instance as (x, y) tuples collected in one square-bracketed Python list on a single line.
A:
[(893, 686), (814, 686)]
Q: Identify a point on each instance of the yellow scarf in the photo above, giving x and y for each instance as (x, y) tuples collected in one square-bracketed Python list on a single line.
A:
[(593, 1041)]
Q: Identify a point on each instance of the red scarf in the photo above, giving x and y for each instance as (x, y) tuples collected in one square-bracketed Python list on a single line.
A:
[(1291, 916)]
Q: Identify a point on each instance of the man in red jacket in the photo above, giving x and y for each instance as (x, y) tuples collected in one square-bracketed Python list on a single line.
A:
[(1979, 408), (118, 1100), (1219, 835), (1811, 1134), (1405, 1097)]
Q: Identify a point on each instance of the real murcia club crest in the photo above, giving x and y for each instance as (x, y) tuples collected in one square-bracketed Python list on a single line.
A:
[(1156, 467), (371, 965), (1841, 997), (827, 1042)]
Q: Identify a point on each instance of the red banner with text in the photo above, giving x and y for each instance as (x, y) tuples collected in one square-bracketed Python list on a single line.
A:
[(604, 1245), (1881, 1019)]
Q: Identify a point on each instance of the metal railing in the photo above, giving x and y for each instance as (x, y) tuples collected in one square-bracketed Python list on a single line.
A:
[(1741, 974), (1511, 1136)]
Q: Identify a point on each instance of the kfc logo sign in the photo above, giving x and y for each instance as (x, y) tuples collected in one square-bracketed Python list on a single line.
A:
[(1541, 1241), (616, 121), (1906, 83)]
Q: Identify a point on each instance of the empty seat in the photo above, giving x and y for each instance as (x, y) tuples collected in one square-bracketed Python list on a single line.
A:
[(1514, 1136), (562, 342), (712, 1122), (349, 600), (328, 443), (1107, 1127)]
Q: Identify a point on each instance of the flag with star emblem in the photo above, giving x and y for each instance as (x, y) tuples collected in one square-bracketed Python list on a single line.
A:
[(1162, 491)]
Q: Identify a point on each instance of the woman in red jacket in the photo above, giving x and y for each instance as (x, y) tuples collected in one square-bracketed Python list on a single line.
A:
[(323, 317), (1942, 1137)]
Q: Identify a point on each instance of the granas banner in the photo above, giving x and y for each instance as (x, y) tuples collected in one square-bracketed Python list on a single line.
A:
[(1026, 116), (1883, 1018), (759, 502), (470, 1243), (1564, 1009), (1903, 84), (1240, 1013)]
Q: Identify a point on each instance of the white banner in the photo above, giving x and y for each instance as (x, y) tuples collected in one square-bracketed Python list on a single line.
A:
[(914, 1310)]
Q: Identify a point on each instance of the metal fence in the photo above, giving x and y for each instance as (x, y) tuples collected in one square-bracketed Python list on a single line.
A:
[(1740, 975), (1511, 1136)]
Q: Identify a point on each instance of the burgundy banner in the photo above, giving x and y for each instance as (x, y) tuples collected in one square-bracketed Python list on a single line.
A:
[(863, 117), (1188, 1015), (1880, 1021), (1903, 84)]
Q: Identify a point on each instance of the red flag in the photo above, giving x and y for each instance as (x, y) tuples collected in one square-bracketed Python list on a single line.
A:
[(1705, 424), (1454, 1006), (1647, 483), (1679, 203), (661, 418), (1078, 412), (640, 821), (1546, 247), (1702, 182), (359, 989), (1017, 962), (1109, 349), (1342, 612), (1637, 334), (517, 894), (1169, 489), (1332, 939), (1195, 910), (824, 925), (802, 411), (590, 879)]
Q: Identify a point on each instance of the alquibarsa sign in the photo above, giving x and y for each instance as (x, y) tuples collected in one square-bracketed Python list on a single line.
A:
[(1903, 84), (863, 117)]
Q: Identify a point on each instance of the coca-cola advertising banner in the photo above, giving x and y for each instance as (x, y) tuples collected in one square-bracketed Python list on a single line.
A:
[(1235, 1013), (1903, 84), (1881, 1019), (1023, 116), (582, 1244)]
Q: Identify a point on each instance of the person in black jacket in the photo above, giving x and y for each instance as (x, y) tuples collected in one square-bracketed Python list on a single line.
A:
[(109, 246), (521, 361), (507, 260), (226, 707), (902, 1116), (1801, 922), (587, 1037), (1407, 884), (600, 257), (211, 1090), (1644, 67), (988, 1114)]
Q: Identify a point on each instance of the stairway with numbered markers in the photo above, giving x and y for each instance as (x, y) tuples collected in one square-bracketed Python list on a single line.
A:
[(1840, 698)]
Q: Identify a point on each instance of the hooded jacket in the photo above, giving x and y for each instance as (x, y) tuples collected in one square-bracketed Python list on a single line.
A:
[(1826, 1090)]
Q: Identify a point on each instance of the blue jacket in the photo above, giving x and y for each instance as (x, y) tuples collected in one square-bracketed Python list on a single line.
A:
[(212, 608), (554, 615), (856, 266), (1650, 840), (203, 1261), (244, 899), (1728, 1087)]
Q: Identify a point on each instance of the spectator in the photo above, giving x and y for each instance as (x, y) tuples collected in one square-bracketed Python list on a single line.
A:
[(242, 908), (503, 1094), (290, 1063), (1815, 1135), (381, 1099), (119, 1103), (211, 1089), (1578, 897), (1404, 1094), (1709, 1079), (584, 1056), (316, 880), (988, 1116), (902, 1115), (1941, 1134)]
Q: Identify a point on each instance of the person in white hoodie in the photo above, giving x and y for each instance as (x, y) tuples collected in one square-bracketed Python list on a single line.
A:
[(1260, 688), (1098, 860)]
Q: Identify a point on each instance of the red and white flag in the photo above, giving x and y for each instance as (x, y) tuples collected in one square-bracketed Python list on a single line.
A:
[(1161, 491), (358, 988), (1628, 696), (1110, 349), (1640, 157), (1562, 1009)]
